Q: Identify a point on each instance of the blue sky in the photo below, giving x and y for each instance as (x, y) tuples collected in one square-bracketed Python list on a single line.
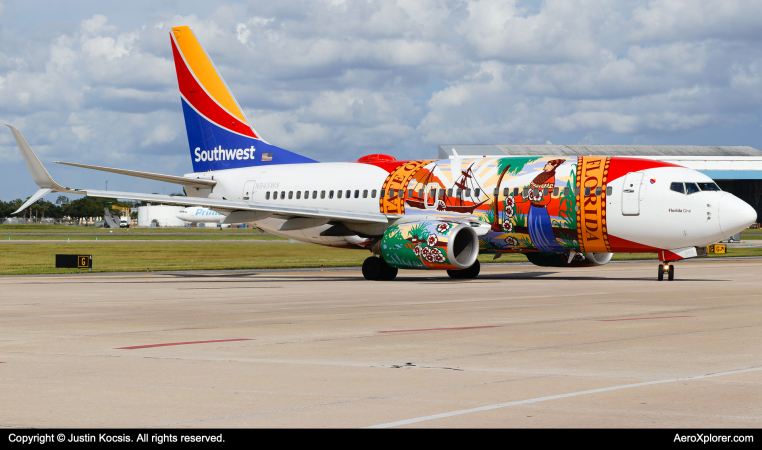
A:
[(94, 82)]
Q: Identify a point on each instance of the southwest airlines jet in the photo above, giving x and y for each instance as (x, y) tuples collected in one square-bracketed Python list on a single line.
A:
[(428, 214)]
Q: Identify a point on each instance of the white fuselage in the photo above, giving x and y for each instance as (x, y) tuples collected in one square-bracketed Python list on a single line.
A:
[(665, 219)]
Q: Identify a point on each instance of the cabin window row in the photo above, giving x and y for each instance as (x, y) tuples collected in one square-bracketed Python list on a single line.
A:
[(330, 194), (692, 188)]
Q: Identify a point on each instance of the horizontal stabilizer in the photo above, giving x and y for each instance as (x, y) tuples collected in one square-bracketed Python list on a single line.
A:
[(37, 195), (190, 182)]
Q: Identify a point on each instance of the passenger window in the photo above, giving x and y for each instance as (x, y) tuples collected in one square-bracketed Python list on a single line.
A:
[(506, 192), (555, 191), (468, 192), (709, 187), (314, 194), (306, 195), (381, 194), (282, 195), (290, 195), (598, 191), (330, 194), (566, 190), (545, 192), (691, 188), (449, 192), (298, 195), (420, 193), (373, 193), (609, 190), (365, 193), (525, 192), (391, 193), (477, 192), (496, 192), (409, 193), (348, 194), (536, 192), (357, 193), (516, 192), (587, 191), (433, 193), (338, 194), (322, 194), (267, 195)]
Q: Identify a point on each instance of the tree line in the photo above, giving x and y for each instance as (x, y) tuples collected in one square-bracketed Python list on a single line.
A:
[(63, 207)]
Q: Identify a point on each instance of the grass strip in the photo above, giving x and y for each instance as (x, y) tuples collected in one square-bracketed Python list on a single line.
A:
[(40, 258)]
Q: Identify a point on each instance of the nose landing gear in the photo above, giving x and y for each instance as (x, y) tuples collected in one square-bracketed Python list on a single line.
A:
[(667, 268)]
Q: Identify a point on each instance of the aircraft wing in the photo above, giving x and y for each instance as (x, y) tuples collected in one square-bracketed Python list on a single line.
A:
[(237, 205), (190, 182), (48, 185)]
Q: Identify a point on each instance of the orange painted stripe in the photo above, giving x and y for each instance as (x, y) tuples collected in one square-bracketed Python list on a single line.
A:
[(204, 70), (180, 343)]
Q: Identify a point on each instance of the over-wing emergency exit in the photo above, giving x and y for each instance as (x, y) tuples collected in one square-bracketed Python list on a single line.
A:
[(429, 214)]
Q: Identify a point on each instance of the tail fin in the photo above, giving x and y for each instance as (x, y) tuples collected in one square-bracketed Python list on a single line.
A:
[(219, 134)]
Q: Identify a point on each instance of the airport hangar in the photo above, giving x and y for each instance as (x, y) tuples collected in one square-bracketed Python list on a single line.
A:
[(736, 169)]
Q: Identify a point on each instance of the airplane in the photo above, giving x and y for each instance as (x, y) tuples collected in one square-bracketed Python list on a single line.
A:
[(428, 214), (199, 214)]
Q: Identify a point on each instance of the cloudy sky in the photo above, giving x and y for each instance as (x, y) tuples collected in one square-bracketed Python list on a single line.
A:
[(90, 82)]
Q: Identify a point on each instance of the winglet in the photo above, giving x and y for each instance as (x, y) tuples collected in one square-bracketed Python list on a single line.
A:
[(37, 195), (39, 174)]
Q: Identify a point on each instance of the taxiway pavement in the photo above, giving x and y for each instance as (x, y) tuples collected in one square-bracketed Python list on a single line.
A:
[(520, 346)]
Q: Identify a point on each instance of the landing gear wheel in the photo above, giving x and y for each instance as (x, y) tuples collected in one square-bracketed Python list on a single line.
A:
[(671, 275), (372, 268), (471, 272), (388, 273), (660, 276)]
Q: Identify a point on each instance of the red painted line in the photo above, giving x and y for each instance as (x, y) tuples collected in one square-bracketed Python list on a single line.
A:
[(179, 343), (437, 329), (642, 318)]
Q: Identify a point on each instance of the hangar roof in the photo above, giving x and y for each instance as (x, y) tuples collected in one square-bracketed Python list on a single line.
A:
[(446, 150)]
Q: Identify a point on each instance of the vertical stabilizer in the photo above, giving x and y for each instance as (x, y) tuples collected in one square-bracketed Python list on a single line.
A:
[(219, 134)]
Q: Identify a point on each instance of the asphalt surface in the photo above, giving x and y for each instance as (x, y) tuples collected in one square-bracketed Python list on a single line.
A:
[(520, 346)]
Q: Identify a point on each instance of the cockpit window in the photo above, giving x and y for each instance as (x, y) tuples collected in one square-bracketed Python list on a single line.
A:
[(691, 188), (709, 187), (677, 187)]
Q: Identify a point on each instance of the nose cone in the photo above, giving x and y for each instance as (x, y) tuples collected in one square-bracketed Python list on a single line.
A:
[(735, 215)]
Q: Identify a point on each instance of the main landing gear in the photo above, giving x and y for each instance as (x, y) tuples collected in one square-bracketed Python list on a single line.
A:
[(471, 272), (667, 268), (375, 268)]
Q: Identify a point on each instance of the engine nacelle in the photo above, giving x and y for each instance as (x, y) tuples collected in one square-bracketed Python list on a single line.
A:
[(430, 245), (550, 259)]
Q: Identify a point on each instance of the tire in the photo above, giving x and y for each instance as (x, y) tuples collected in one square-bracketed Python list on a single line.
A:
[(388, 273), (455, 274), (661, 272), (469, 273), (372, 268), (671, 275)]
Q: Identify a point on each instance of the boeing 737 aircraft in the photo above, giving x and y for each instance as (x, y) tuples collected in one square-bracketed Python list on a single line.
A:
[(429, 214)]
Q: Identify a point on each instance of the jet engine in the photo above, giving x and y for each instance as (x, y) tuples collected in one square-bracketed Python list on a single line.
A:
[(551, 259), (430, 245)]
